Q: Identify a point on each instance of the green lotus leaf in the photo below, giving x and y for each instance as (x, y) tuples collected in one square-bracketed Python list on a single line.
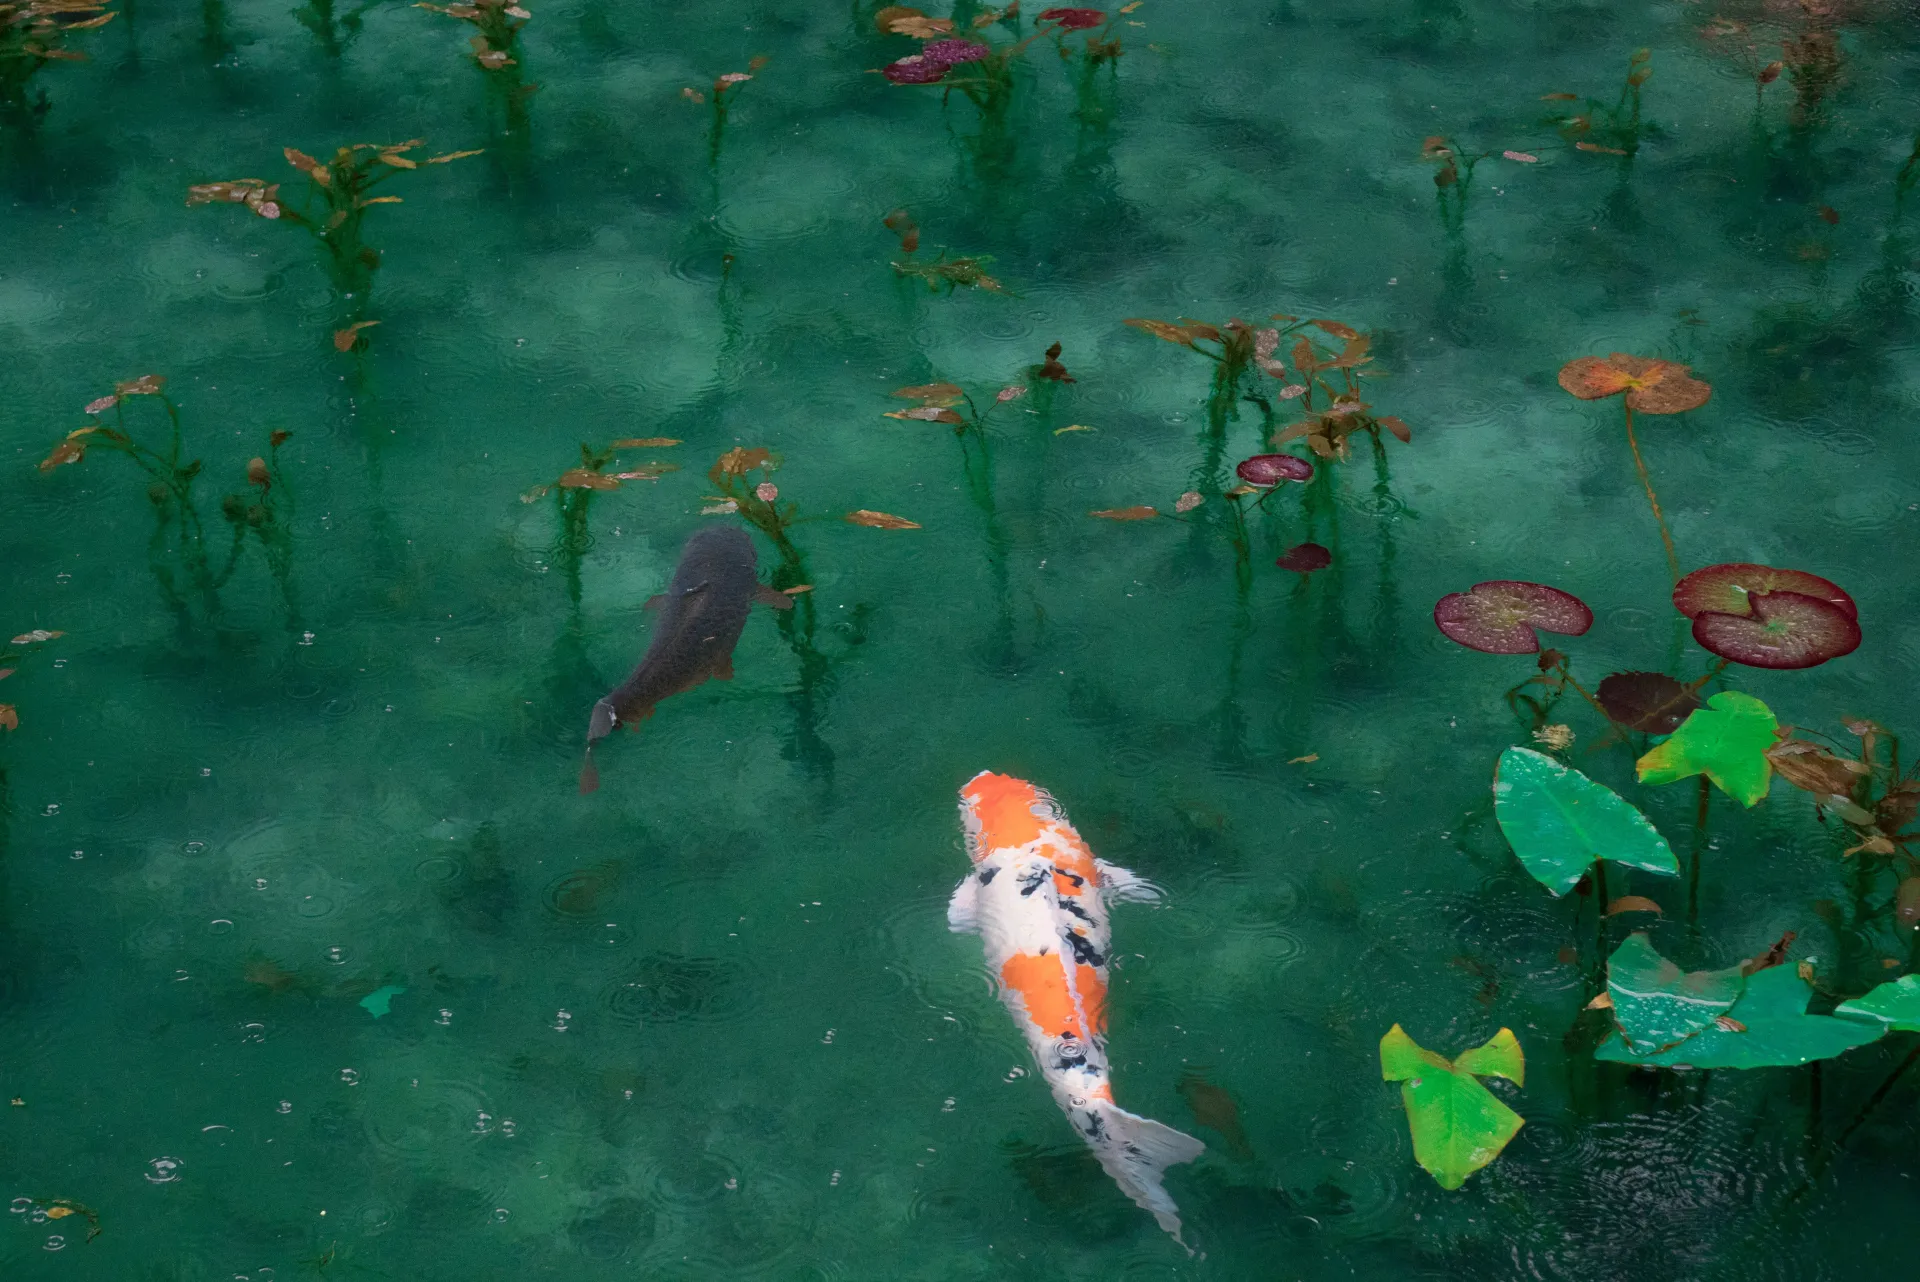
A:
[(1558, 821), (1895, 1005), (1656, 1005), (1768, 1027)]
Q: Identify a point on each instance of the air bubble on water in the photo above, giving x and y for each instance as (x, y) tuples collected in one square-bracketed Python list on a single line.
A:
[(560, 1020), (53, 808), (484, 1124), (444, 1017), (55, 1242), (79, 854), (336, 955), (350, 1077), (21, 1205), (834, 1181), (949, 1106), (499, 1215), (163, 1170), (194, 848), (259, 883), (181, 977), (507, 1127), (733, 1181), (206, 772), (220, 926), (629, 1094), (253, 1033), (63, 577), (828, 1039), (306, 638), (1015, 1071), (284, 1106)]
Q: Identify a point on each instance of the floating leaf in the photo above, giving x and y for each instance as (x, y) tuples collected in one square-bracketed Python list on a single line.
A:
[(1605, 151), (1652, 386), (35, 637), (345, 339), (645, 443), (1559, 822), (1768, 1027), (927, 414), (1457, 1124), (1181, 334), (1336, 328), (1305, 558), (379, 1002), (915, 69), (1522, 157), (1052, 369), (1651, 702), (1633, 904), (1006, 394), (739, 461), (901, 224), (1499, 616), (1727, 741), (885, 18), (1729, 589), (452, 156), (942, 394), (580, 478), (1272, 469), (1896, 1006), (797, 589), (1783, 630), (1141, 513), (7, 672), (145, 385), (1072, 427), (1811, 768), (920, 27), (1188, 501), (880, 520), (9, 719), (1656, 1005), (1393, 423)]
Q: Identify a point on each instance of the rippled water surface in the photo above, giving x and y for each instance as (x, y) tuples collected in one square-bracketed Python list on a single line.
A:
[(709, 1022)]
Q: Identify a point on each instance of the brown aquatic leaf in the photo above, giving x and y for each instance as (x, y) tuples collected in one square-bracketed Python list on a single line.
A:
[(1399, 428), (884, 20), (1559, 97), (1652, 386), (1162, 329), (653, 472), (1073, 427), (1633, 904), (880, 520), (1303, 358), (739, 461), (379, 200), (7, 672), (71, 450), (1139, 513), (645, 443), (1354, 354), (1006, 394), (927, 414), (257, 473), (921, 28), (301, 160), (1774, 956), (1583, 145), (1771, 72), (797, 589), (932, 394), (451, 156), (1433, 147), (1811, 768), (278, 437), (1650, 702), (1215, 1109), (345, 339), (901, 224), (36, 637), (1336, 328), (145, 385), (1306, 760), (9, 719), (1053, 370), (580, 478), (1897, 809), (1876, 844), (1604, 1001)]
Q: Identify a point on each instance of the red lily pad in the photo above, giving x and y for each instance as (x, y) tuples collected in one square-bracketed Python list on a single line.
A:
[(1271, 469), (915, 69), (954, 52), (1305, 558), (1783, 630), (1725, 589), (1651, 702), (1499, 616), (1074, 19)]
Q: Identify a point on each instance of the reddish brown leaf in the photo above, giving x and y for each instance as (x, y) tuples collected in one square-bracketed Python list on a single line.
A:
[(645, 443), (901, 224), (1783, 630), (932, 394), (1162, 329), (1633, 904), (1811, 768), (1594, 146), (1652, 386), (927, 414), (1499, 616), (880, 520), (1650, 702), (1337, 329), (345, 339), (1139, 513), (1729, 588), (145, 385), (739, 461), (1399, 428), (580, 478), (9, 719)]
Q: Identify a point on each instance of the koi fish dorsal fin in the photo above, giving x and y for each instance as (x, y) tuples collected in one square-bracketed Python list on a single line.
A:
[(1123, 886), (772, 598), (963, 910)]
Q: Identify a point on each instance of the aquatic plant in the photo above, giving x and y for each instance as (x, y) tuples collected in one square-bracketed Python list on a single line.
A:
[(498, 23), (574, 489), (987, 78), (965, 272), (34, 33), (1767, 618), (1501, 616), (757, 501), (341, 185), (1652, 387), (724, 88), (178, 552), (1735, 40), (1560, 823), (11, 656), (333, 25), (1458, 1125), (1612, 129)]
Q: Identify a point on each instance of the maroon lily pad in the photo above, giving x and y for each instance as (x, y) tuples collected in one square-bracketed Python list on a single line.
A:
[(1652, 702), (1271, 469), (1724, 589), (1499, 616), (954, 52), (915, 69), (1783, 630), (1074, 19), (1305, 558)]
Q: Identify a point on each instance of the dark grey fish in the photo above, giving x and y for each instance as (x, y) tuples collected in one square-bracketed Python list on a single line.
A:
[(699, 620)]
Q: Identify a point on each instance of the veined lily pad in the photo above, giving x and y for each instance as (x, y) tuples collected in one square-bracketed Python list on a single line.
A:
[(1724, 589), (1652, 386), (1727, 741), (1652, 702), (1499, 616), (1558, 822), (1784, 630), (1272, 469), (1896, 1006), (1768, 1027), (1457, 1124), (1657, 1005), (1304, 558)]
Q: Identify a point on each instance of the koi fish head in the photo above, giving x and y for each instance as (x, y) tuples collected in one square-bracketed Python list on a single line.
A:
[(1000, 811)]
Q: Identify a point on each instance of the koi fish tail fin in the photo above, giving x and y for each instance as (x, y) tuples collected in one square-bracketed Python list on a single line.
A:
[(589, 774), (1136, 1152)]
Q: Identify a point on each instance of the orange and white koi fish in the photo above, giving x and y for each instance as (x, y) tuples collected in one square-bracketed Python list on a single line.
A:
[(1038, 899)]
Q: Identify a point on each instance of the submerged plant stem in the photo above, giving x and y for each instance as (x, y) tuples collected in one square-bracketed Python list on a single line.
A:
[(1699, 852), (1666, 536)]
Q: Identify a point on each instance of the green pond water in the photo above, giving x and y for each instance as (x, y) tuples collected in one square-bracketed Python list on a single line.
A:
[(710, 1022)]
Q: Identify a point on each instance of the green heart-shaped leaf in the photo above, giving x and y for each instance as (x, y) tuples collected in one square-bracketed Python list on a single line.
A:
[(1657, 1005), (1558, 821), (1726, 741), (1457, 1124), (1768, 1027), (1895, 1005)]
